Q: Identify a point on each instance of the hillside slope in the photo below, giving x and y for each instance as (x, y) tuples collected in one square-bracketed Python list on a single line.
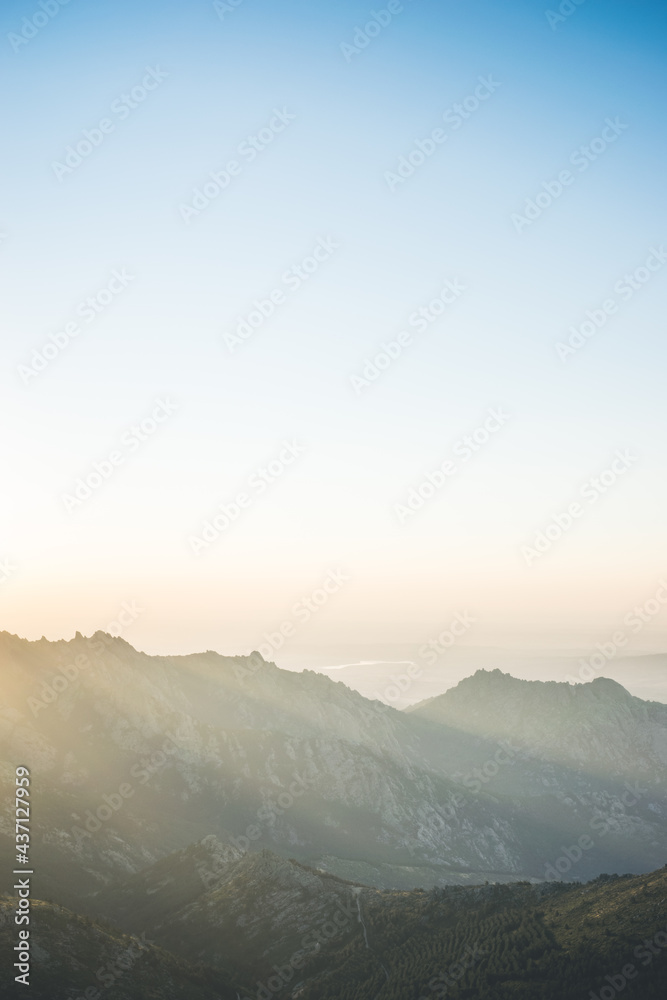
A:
[(72, 954), (596, 727), (134, 757), (272, 927)]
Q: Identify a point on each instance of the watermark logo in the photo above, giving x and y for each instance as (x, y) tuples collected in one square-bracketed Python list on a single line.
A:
[(454, 116), (581, 158), (88, 310), (625, 288), (291, 280), (31, 26), (92, 138), (592, 490), (419, 320), (258, 482), (464, 449), (131, 441), (248, 150)]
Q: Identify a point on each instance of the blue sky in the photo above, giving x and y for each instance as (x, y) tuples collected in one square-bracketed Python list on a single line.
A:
[(324, 178)]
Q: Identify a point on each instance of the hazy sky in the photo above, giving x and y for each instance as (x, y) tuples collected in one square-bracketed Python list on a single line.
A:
[(368, 166)]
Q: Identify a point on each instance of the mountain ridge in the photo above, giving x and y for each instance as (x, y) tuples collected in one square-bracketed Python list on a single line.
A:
[(554, 941), (306, 766)]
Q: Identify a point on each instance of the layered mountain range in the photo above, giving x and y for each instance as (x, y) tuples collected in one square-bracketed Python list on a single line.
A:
[(212, 826), (135, 756)]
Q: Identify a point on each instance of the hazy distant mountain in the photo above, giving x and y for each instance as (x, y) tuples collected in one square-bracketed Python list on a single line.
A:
[(134, 757), (423, 673), (644, 675), (211, 744), (596, 727), (169, 793), (426, 672)]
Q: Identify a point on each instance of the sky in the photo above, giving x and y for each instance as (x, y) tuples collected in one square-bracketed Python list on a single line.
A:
[(403, 359)]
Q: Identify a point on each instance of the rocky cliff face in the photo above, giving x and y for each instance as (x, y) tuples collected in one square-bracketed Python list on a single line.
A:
[(134, 757), (235, 910), (597, 727)]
